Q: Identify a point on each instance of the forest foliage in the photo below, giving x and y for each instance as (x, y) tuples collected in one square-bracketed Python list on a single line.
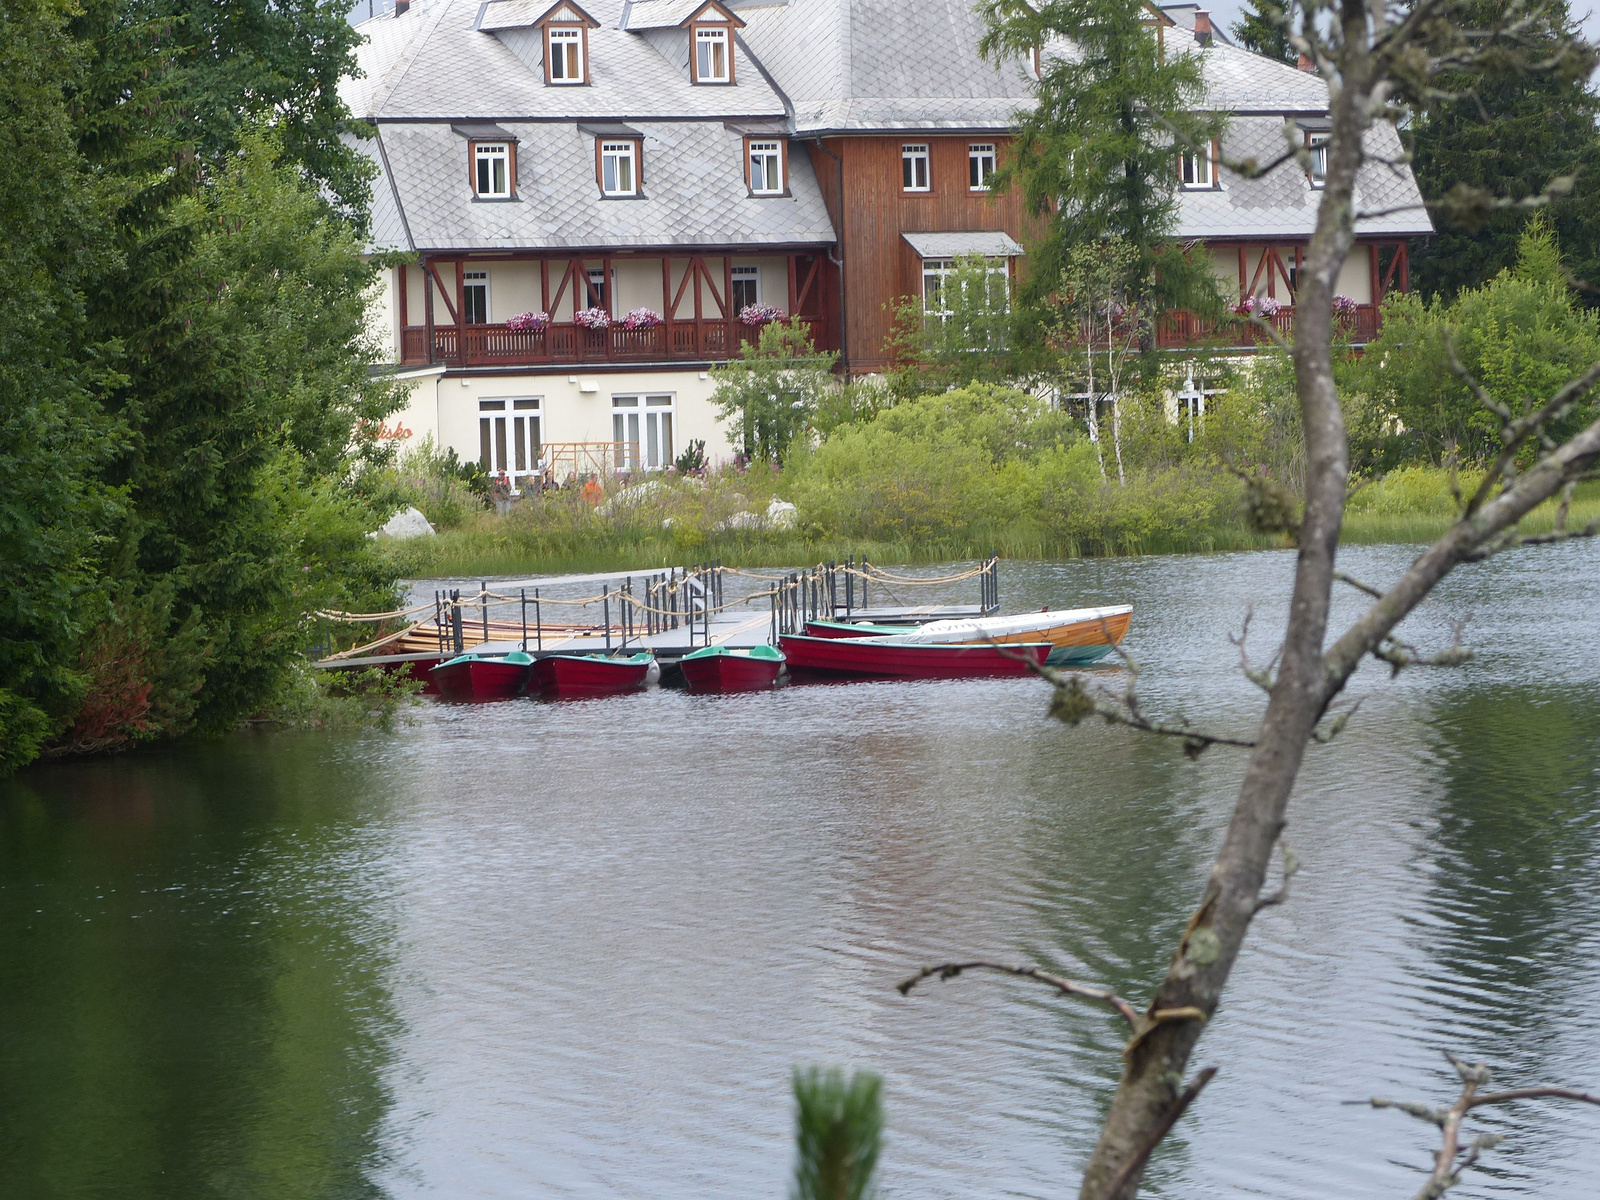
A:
[(183, 357)]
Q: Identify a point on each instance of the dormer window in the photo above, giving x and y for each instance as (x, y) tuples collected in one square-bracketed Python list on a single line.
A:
[(914, 168), (491, 170), (766, 169), (619, 168), (713, 61), (1198, 168), (1317, 143), (565, 57)]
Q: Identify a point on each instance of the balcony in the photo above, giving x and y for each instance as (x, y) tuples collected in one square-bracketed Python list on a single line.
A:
[(1183, 330), (499, 345)]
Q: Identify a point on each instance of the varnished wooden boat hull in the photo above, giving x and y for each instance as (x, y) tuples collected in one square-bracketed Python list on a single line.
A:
[(1074, 643)]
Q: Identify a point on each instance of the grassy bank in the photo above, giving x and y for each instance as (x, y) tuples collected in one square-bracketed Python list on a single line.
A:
[(1412, 506)]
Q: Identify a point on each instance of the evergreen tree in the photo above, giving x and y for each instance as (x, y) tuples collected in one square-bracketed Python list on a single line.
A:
[(1261, 28), (1511, 131), (838, 1134), (1097, 155), (183, 362), (52, 439)]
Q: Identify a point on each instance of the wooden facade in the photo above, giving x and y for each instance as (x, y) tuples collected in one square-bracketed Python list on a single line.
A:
[(862, 184)]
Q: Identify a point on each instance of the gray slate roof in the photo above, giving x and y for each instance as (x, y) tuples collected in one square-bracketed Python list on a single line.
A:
[(1283, 204), (812, 66), (856, 65), (694, 192), (991, 243), (434, 63)]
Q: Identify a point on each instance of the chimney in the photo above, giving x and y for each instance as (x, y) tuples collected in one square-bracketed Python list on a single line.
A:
[(1202, 26), (1305, 63), (401, 7)]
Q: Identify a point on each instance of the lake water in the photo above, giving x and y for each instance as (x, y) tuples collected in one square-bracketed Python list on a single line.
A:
[(575, 949)]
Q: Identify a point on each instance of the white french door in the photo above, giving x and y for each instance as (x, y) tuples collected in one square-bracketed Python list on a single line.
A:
[(509, 438), (642, 428)]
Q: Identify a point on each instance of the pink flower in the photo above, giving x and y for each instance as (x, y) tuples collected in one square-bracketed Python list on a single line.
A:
[(529, 320), (592, 318), (642, 318), (760, 314)]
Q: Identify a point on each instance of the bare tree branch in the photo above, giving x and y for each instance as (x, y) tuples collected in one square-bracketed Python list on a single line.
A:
[(1450, 1162), (1065, 986)]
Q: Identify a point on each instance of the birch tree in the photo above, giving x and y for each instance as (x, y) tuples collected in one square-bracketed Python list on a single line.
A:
[(1380, 59)]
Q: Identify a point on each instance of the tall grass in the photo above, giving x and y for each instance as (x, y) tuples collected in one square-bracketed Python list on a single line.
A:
[(949, 476), (525, 544)]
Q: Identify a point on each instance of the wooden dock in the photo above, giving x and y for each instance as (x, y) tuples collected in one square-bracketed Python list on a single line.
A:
[(670, 614)]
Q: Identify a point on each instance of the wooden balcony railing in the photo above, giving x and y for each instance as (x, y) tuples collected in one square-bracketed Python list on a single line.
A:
[(1179, 330), (497, 345)]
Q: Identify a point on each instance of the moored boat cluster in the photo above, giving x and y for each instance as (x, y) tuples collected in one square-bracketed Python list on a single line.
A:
[(980, 647)]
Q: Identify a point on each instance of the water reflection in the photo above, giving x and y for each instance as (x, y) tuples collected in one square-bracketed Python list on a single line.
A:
[(192, 978), (527, 949), (1514, 906)]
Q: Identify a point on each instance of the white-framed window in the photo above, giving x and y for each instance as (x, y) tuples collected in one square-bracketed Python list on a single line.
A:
[(1199, 167), (1317, 143), (914, 168), (619, 173), (711, 59), (980, 165), (475, 297), (509, 436), (600, 292), (746, 287), (766, 168), (492, 168), (935, 273), (938, 289), (641, 426), (566, 55)]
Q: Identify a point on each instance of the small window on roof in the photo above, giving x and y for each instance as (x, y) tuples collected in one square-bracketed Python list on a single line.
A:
[(1199, 167), (1317, 143), (491, 162), (712, 62), (565, 56), (619, 168), (766, 168)]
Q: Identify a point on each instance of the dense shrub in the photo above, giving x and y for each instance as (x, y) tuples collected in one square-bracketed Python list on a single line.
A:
[(1521, 335)]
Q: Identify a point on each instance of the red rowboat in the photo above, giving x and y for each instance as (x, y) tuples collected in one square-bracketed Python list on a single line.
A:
[(852, 629), (490, 677), (729, 669), (880, 658), (590, 674)]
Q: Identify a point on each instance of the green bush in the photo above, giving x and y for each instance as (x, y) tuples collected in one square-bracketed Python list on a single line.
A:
[(1521, 335), (1412, 491), (436, 483)]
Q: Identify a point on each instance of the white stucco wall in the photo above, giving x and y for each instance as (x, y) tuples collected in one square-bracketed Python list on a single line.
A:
[(1355, 279), (447, 407)]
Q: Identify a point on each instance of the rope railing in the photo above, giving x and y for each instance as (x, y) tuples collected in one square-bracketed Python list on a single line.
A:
[(677, 598)]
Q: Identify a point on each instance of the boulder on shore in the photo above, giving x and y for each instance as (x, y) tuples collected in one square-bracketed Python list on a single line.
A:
[(407, 523)]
